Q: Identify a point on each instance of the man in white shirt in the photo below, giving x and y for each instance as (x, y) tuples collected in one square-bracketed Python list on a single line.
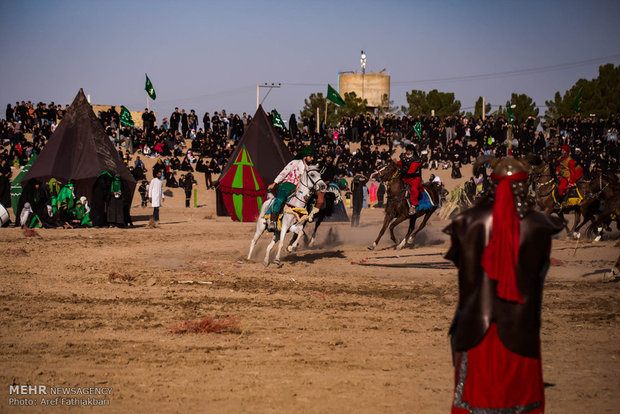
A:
[(156, 194), (288, 180)]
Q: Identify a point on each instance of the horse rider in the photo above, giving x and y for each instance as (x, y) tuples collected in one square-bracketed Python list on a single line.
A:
[(287, 181), (569, 172), (410, 166)]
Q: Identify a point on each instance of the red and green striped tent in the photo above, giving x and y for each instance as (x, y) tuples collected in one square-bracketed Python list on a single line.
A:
[(242, 189)]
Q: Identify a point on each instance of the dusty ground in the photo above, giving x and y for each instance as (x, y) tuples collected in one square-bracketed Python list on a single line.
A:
[(326, 332)]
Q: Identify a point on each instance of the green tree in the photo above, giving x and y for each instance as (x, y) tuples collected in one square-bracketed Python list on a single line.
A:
[(478, 108), (522, 107), (421, 103), (353, 105), (386, 107), (601, 96), (317, 100)]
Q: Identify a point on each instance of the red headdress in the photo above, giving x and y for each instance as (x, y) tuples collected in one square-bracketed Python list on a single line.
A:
[(501, 254)]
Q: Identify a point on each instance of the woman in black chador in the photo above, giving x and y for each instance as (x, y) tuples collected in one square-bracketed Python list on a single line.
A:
[(100, 198), (115, 213)]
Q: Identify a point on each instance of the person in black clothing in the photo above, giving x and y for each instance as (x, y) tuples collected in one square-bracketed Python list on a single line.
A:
[(327, 169), (175, 119), (184, 123), (203, 167), (357, 188), (215, 122), (456, 169), (380, 195), (186, 165), (142, 190), (175, 164), (206, 120), (188, 182), (5, 183), (100, 198), (146, 120)]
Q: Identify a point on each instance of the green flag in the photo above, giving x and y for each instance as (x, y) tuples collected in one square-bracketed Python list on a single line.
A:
[(510, 114), (333, 96), (418, 129), (126, 118), (148, 87), (277, 120), (577, 101)]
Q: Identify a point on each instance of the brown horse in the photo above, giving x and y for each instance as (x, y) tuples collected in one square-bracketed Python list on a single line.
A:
[(590, 191), (397, 206)]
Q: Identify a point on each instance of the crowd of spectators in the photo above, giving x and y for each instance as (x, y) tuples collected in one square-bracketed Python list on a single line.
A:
[(183, 142)]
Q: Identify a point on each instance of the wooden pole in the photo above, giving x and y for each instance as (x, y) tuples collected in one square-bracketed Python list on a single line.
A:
[(318, 116), (257, 93), (483, 110), (326, 102)]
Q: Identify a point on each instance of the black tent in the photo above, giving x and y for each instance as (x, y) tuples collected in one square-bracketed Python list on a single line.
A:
[(80, 150), (266, 149)]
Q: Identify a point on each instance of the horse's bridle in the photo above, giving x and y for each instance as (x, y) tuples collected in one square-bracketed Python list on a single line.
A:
[(313, 182), (546, 171)]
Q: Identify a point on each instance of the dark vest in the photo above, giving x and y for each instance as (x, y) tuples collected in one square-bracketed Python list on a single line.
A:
[(518, 325)]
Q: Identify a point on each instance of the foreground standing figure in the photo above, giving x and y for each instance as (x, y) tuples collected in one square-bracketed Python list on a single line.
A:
[(501, 247)]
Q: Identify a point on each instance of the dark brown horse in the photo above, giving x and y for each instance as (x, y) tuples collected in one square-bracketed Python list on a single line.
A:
[(397, 206), (590, 191)]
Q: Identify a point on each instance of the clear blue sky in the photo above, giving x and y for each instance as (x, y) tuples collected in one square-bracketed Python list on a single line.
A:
[(209, 56)]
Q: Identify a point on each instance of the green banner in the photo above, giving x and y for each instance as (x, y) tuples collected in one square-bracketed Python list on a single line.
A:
[(277, 120), (148, 87), (126, 118), (418, 129), (333, 96), (577, 101), (510, 114)]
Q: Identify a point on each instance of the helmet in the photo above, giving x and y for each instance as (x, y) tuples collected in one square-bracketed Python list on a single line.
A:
[(509, 166)]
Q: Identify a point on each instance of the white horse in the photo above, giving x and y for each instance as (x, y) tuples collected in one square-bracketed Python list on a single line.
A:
[(310, 182)]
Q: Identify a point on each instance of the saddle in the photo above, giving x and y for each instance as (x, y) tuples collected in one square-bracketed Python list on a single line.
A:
[(301, 214), (424, 199), (572, 198)]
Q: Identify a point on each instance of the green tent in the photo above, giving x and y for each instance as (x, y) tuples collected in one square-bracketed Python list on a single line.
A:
[(16, 185)]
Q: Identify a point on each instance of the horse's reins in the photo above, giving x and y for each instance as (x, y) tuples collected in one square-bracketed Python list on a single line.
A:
[(551, 181), (306, 185)]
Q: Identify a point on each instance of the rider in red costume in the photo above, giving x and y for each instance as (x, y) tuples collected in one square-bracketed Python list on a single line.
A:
[(411, 173), (568, 171)]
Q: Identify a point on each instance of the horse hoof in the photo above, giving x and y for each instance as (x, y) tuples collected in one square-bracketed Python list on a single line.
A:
[(577, 235), (311, 243), (410, 240), (597, 239), (372, 246), (277, 263), (265, 263), (400, 245), (289, 249)]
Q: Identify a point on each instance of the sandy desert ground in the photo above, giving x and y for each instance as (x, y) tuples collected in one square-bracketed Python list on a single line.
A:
[(336, 329)]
